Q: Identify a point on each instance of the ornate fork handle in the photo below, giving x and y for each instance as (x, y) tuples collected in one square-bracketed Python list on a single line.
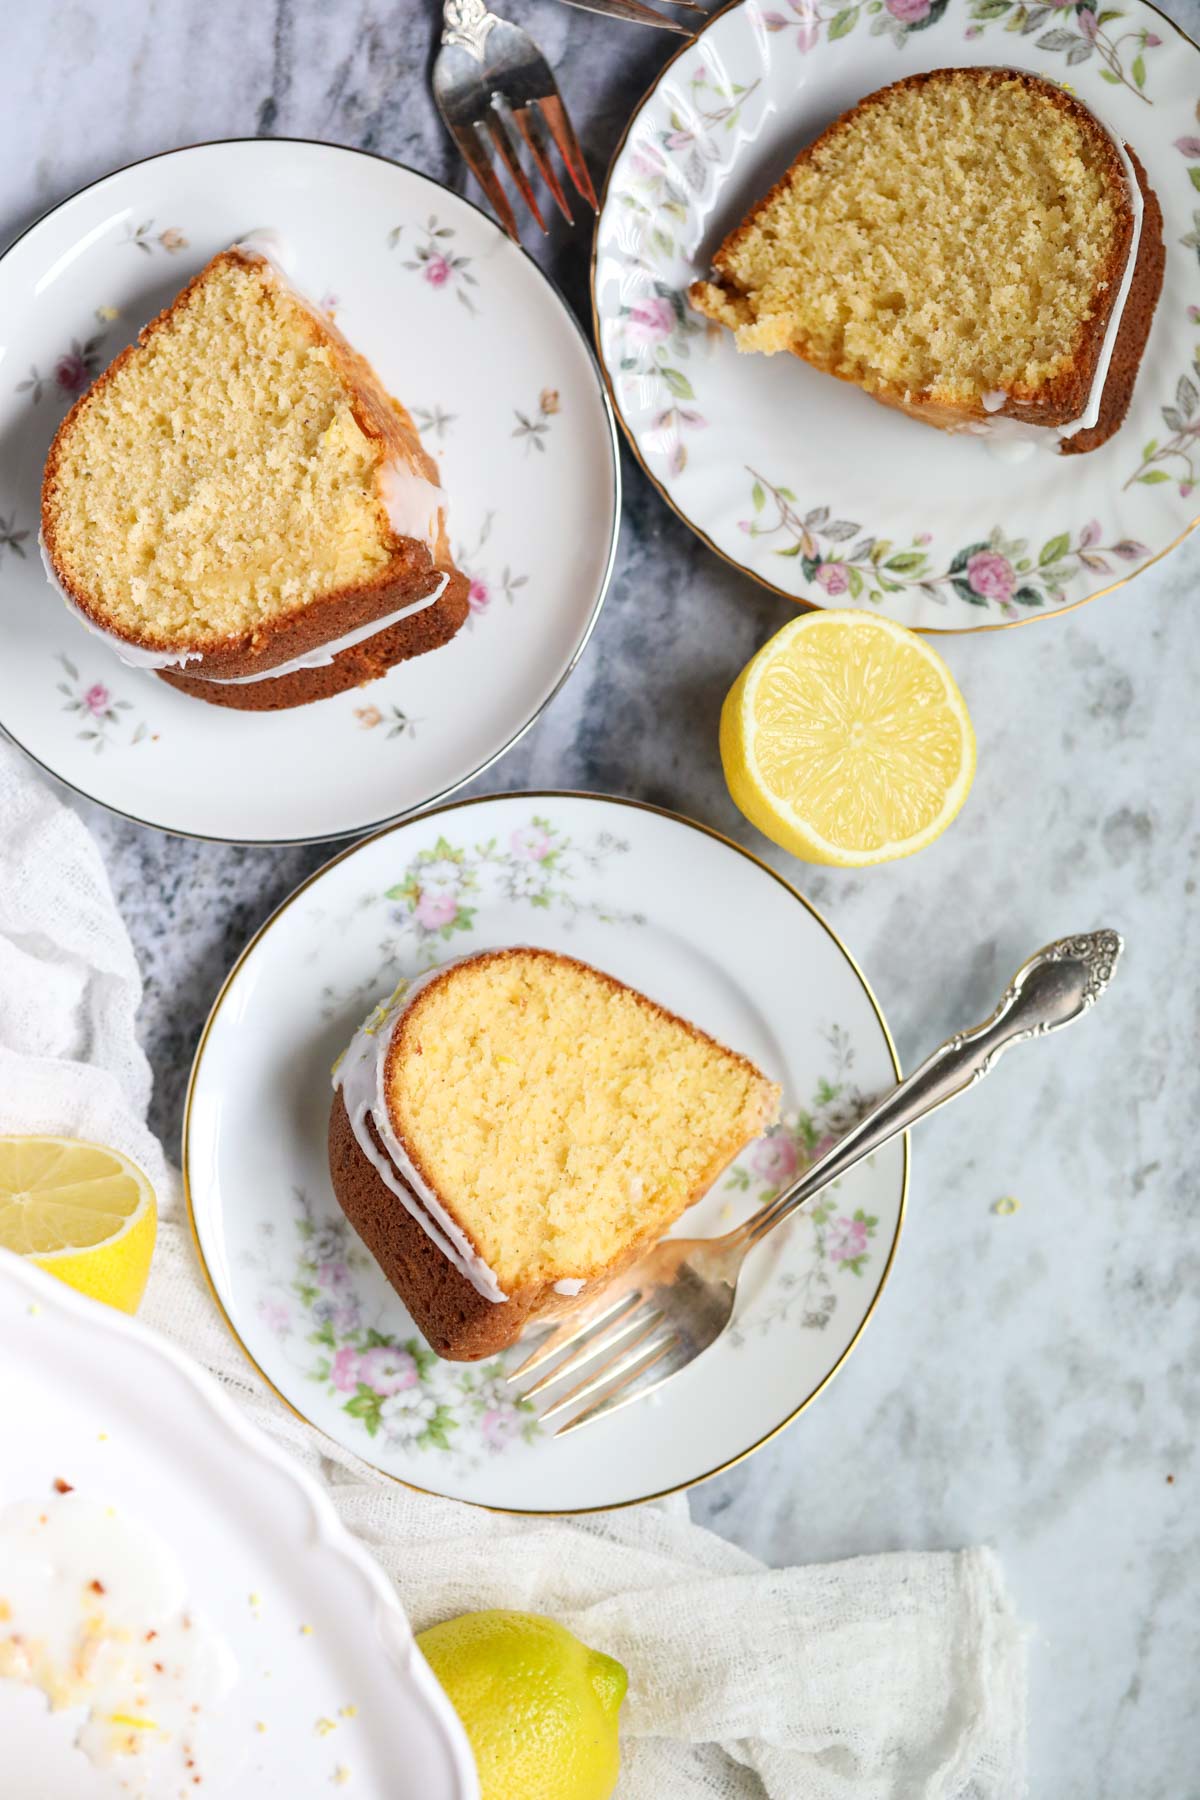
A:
[(1054, 987), (467, 23)]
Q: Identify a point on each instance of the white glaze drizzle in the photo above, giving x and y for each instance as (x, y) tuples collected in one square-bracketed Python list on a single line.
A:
[(570, 1284), (324, 654), (275, 248), (137, 656), (361, 1076), (411, 502), (1015, 440)]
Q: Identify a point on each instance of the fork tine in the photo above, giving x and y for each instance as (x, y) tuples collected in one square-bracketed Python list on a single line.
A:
[(629, 1387), (636, 13), (573, 1327), (481, 167), (614, 1365), (590, 1348), (533, 131), (563, 133), (501, 133)]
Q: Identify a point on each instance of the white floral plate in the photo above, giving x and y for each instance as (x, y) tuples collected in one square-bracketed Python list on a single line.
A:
[(467, 331), (328, 1677), (657, 901), (803, 481)]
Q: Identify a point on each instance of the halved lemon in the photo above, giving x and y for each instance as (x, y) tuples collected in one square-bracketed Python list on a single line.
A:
[(85, 1213), (846, 741)]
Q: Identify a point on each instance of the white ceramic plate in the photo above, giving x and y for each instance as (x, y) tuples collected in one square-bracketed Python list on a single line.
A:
[(110, 1408), (657, 901), (805, 482), (463, 326)]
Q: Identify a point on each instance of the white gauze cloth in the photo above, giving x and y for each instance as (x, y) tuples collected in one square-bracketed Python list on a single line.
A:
[(896, 1677)]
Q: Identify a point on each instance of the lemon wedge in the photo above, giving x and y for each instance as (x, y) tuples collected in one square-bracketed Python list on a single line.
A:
[(846, 741), (84, 1213)]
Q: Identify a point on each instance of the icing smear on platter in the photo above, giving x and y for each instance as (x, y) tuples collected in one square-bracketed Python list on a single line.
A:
[(413, 506), (95, 1616)]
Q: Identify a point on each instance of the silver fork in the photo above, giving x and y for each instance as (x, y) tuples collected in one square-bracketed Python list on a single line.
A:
[(496, 91), (638, 14), (658, 1316)]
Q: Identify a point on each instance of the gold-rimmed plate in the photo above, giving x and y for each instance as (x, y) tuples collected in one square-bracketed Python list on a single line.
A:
[(659, 902), (805, 482)]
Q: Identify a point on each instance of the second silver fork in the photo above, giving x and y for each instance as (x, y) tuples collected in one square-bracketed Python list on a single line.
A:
[(497, 93)]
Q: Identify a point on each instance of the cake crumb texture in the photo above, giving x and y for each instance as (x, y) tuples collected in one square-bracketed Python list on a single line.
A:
[(956, 235), (217, 479), (561, 1116)]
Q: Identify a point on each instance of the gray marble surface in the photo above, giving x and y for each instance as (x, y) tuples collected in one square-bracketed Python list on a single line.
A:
[(1030, 1381)]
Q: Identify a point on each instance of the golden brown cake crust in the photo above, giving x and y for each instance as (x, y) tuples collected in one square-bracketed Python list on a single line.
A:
[(426, 630), (459, 1322), (412, 572), (1063, 399), (452, 1316), (1134, 328)]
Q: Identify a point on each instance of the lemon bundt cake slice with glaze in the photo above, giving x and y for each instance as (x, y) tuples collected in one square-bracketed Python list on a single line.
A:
[(969, 245), (239, 504), (512, 1129)]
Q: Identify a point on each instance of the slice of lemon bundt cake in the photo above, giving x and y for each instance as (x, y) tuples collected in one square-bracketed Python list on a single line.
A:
[(239, 504), (969, 245), (510, 1130)]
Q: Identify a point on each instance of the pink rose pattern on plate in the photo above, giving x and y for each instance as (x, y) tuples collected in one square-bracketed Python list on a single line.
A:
[(102, 714), (485, 586), (143, 237), (437, 897), (842, 557), (434, 259), (809, 1296), (1172, 458), (74, 370), (1063, 27), (434, 903), (324, 1302)]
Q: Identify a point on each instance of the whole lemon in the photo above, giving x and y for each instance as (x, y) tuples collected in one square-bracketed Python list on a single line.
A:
[(540, 1708)]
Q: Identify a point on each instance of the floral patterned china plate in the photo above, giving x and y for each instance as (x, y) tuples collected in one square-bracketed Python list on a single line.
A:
[(656, 901), (464, 327), (805, 482), (261, 1649)]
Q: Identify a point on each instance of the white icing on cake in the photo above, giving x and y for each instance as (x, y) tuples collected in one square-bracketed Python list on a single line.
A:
[(361, 1076), (1014, 440), (137, 656), (412, 503), (324, 654), (274, 248)]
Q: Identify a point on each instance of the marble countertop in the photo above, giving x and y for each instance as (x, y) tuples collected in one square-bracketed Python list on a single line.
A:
[(1030, 1380)]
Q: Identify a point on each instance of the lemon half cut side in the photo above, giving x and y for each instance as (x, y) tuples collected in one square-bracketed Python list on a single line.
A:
[(82, 1212), (846, 741)]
